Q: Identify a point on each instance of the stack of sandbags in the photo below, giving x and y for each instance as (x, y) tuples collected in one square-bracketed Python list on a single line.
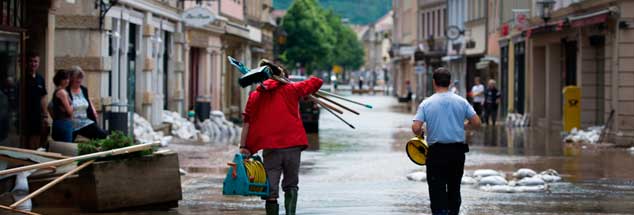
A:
[(219, 129), (183, 128), (523, 180), (144, 133), (588, 136)]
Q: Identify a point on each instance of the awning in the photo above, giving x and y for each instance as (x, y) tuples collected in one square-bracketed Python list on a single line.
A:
[(237, 30), (493, 59), (451, 58), (483, 64), (591, 18)]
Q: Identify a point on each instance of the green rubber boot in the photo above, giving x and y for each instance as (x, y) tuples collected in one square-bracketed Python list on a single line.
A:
[(272, 208), (290, 201)]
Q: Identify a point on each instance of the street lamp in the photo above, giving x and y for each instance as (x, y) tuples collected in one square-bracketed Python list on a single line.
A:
[(545, 9)]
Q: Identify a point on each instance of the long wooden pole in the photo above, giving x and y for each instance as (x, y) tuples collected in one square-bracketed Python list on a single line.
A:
[(51, 184), (92, 156), (311, 97), (344, 98), (17, 211), (336, 103), (43, 154)]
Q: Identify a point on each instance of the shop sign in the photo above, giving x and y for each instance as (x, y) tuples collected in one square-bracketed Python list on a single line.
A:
[(198, 16)]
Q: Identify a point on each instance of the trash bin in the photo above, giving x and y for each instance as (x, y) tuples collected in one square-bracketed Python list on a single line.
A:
[(572, 108), (202, 110), (115, 118)]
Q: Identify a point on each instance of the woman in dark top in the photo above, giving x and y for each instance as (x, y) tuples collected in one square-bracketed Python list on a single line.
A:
[(491, 101), (84, 114), (60, 108)]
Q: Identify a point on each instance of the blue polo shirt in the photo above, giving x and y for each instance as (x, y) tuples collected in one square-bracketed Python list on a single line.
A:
[(444, 114)]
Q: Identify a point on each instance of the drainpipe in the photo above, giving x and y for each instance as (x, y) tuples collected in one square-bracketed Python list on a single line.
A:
[(615, 74)]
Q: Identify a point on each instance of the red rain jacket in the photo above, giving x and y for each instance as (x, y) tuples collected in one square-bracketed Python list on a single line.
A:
[(273, 114)]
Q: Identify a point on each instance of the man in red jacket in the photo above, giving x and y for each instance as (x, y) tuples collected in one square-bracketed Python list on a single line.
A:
[(272, 122)]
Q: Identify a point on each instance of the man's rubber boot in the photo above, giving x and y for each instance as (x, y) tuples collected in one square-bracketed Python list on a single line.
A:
[(272, 208), (290, 201)]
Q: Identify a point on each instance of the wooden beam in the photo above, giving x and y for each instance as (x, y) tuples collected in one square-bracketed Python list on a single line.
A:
[(86, 157), (51, 184), (34, 152), (17, 211)]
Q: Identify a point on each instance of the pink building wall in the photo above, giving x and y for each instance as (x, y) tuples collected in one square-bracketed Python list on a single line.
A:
[(232, 8)]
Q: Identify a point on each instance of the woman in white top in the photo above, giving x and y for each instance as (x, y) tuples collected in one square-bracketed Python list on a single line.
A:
[(84, 114)]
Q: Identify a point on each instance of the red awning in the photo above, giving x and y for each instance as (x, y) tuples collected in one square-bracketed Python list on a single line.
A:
[(591, 19)]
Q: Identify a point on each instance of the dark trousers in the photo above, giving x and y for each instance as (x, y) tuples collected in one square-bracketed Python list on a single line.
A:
[(282, 161), (490, 111), (62, 130), (445, 166), (477, 106), (91, 131)]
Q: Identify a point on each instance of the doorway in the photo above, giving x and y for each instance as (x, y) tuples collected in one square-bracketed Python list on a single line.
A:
[(9, 77), (520, 74)]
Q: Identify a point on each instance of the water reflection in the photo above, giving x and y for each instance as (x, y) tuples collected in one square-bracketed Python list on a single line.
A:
[(545, 150)]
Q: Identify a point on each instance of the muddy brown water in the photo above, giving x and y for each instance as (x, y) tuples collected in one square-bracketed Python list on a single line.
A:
[(363, 171)]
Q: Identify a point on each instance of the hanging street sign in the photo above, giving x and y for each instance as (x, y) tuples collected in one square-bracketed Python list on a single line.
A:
[(198, 16)]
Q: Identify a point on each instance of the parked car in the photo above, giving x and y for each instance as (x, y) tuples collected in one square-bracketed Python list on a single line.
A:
[(308, 109)]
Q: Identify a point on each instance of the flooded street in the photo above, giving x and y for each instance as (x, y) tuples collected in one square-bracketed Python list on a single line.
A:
[(363, 171)]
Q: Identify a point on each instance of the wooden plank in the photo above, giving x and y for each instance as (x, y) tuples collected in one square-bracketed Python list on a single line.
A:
[(51, 184), (17, 211), (44, 154), (92, 156)]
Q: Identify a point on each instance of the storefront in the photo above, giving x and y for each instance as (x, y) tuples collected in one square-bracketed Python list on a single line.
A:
[(24, 28), (131, 55)]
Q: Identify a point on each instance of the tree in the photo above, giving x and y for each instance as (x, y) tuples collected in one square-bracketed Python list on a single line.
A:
[(318, 39), (309, 38), (348, 50)]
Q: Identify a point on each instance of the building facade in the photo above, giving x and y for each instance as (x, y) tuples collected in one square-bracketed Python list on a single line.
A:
[(127, 53), (587, 44), (418, 45)]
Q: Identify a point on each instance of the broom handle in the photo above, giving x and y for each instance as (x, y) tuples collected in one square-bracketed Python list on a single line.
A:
[(311, 97), (51, 184), (339, 117), (324, 104), (336, 103), (344, 98), (92, 156)]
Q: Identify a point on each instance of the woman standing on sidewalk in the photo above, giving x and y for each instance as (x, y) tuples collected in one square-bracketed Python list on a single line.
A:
[(61, 109), (84, 114)]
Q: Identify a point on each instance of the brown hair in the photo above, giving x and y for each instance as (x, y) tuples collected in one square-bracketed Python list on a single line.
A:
[(276, 69), (60, 75), (442, 77)]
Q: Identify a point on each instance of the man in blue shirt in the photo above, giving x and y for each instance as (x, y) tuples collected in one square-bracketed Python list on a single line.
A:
[(444, 115)]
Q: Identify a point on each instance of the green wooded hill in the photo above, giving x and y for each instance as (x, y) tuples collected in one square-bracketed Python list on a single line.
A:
[(356, 11)]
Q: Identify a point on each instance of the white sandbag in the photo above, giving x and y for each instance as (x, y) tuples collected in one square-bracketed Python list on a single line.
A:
[(524, 173), (531, 181), (468, 180), (550, 175), (528, 189), (417, 176), (550, 178), (481, 173), (498, 188), (493, 180)]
